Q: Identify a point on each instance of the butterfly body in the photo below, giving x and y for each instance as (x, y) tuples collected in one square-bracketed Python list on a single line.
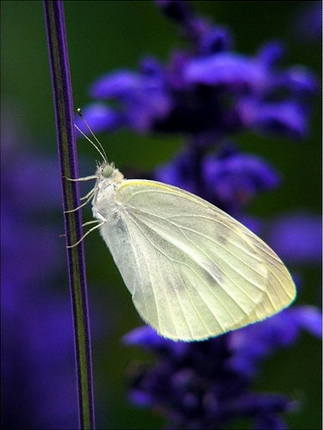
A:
[(193, 271), (104, 205)]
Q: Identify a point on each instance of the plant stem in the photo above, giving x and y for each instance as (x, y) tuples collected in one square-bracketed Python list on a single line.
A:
[(63, 106)]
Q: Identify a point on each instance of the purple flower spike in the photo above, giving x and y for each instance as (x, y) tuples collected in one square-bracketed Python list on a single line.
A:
[(201, 387), (211, 88), (206, 384)]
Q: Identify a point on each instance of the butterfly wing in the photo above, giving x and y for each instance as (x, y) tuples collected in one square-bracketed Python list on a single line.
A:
[(193, 271)]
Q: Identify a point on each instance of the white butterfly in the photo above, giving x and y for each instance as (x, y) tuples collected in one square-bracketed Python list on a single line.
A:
[(193, 271)]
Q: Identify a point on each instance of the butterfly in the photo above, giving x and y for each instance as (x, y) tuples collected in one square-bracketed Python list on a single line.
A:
[(192, 270)]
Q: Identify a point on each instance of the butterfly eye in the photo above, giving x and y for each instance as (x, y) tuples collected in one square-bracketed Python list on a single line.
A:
[(107, 171)]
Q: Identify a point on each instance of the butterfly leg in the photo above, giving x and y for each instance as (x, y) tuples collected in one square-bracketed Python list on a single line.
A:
[(79, 207), (87, 195), (84, 236), (85, 178), (90, 222)]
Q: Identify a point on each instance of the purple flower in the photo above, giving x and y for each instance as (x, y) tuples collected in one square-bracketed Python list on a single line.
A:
[(221, 92), (297, 238), (232, 72), (276, 332), (236, 179), (208, 384), (229, 179), (208, 89), (286, 118), (144, 96)]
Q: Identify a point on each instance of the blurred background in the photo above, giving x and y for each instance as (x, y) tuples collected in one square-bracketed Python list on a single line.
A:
[(37, 345)]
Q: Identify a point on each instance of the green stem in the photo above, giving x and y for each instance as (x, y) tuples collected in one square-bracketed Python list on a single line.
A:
[(63, 105)]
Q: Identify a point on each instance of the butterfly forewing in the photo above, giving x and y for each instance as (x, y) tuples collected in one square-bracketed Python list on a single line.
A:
[(193, 271)]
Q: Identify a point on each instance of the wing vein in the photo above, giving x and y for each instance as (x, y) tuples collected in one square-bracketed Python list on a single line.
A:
[(137, 267), (257, 243), (217, 243), (169, 307), (218, 280), (180, 262), (247, 234), (178, 193), (156, 302), (180, 304)]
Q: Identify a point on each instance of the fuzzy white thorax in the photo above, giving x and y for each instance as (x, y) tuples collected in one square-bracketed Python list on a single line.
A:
[(109, 178)]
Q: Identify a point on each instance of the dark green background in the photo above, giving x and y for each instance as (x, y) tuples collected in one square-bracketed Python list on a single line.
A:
[(107, 35)]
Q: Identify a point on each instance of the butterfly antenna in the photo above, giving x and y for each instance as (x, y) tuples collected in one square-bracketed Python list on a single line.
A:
[(79, 111), (92, 143)]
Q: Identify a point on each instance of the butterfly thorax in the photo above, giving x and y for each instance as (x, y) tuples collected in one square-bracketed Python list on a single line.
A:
[(108, 180)]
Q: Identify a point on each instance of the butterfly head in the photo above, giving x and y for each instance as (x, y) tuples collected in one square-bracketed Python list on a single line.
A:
[(108, 173)]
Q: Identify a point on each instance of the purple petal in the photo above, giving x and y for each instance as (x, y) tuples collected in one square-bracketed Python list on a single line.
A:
[(140, 398), (118, 84), (148, 338), (270, 422), (225, 69), (309, 318), (286, 118), (275, 332), (100, 118), (144, 97), (297, 238), (299, 80), (271, 53), (216, 40), (180, 172), (239, 177), (149, 66), (254, 224), (143, 336)]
